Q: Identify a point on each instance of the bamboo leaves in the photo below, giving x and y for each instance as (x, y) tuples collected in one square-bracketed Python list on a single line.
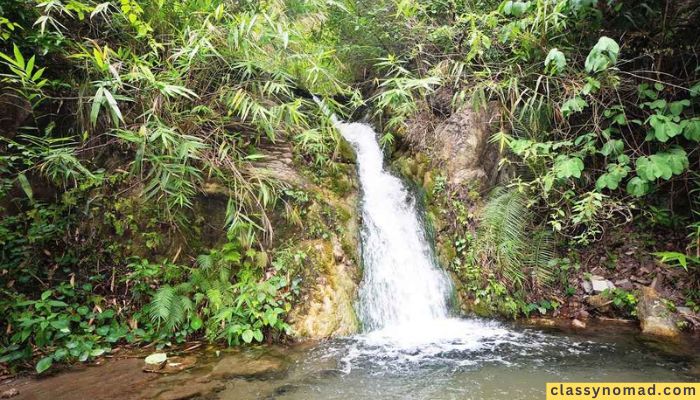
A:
[(103, 98)]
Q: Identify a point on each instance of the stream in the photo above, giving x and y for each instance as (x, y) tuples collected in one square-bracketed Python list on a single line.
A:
[(412, 347)]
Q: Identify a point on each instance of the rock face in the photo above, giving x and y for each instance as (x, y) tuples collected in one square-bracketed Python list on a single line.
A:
[(331, 274), (654, 317), (460, 144), (327, 308), (14, 110)]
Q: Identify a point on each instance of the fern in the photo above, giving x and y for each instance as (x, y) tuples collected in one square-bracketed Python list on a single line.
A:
[(170, 308), (507, 242), (162, 303)]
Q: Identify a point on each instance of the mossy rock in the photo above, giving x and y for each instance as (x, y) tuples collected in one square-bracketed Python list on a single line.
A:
[(326, 308), (446, 252), (346, 152)]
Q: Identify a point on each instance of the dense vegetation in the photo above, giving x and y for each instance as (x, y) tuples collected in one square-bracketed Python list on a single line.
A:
[(118, 116), (598, 128)]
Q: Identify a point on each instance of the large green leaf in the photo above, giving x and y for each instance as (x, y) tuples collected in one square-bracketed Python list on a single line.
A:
[(662, 165), (44, 364), (247, 336), (567, 167), (638, 187), (612, 147), (664, 127), (613, 177), (603, 55), (555, 62), (573, 105), (691, 129), (515, 8)]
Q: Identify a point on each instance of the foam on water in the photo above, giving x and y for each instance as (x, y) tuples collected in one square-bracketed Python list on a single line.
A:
[(403, 298)]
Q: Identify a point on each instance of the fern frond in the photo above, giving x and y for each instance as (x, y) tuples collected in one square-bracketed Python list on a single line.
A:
[(506, 240), (162, 304)]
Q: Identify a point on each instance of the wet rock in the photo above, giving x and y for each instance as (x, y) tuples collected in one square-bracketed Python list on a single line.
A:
[(243, 365), (12, 392), (171, 365), (328, 309), (542, 322), (191, 390), (600, 284), (599, 302), (578, 324), (285, 389), (654, 317)]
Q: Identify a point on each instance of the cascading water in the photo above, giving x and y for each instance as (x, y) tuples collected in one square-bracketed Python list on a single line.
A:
[(402, 285), (403, 299)]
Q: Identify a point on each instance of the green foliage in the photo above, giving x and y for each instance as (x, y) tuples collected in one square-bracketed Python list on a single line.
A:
[(66, 324), (225, 298), (127, 113), (555, 62), (508, 244), (623, 300), (603, 55), (595, 119)]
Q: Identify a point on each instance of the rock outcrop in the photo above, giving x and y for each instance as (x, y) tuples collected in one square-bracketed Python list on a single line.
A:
[(654, 316), (326, 309), (460, 145)]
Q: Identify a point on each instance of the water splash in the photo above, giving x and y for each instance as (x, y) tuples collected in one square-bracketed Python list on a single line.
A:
[(403, 298), (402, 286)]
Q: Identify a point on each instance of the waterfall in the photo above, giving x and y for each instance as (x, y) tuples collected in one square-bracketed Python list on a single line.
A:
[(402, 286)]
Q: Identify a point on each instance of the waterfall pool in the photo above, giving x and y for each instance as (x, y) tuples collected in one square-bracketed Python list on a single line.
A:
[(470, 359)]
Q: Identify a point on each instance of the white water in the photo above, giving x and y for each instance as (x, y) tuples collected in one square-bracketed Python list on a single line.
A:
[(402, 285), (403, 299)]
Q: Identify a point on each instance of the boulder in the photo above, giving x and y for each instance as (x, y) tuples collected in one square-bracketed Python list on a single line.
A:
[(654, 317), (600, 284)]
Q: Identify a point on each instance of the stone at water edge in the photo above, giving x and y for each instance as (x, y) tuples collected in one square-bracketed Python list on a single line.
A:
[(9, 393), (328, 310), (155, 362), (654, 317), (599, 302), (578, 324)]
